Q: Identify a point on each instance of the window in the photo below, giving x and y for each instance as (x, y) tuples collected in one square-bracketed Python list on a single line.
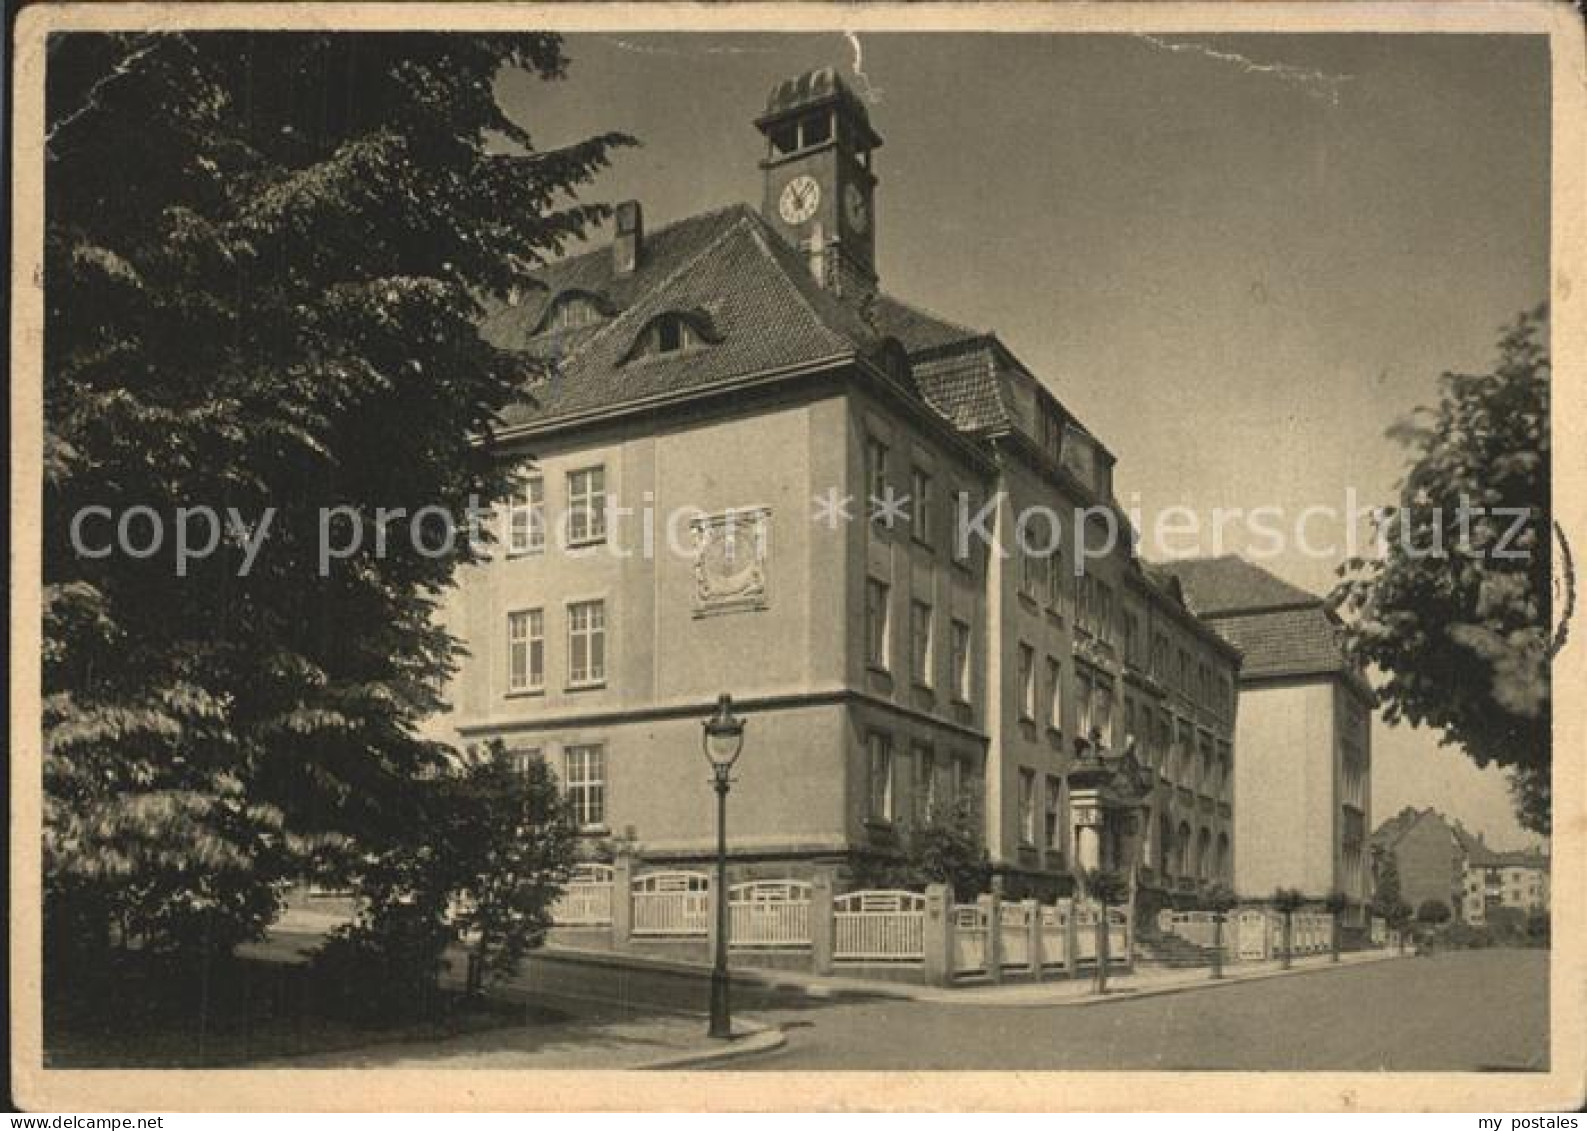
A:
[(925, 782), (526, 650), (960, 645), (875, 472), (920, 642), (587, 643), (1085, 604), (1027, 682), (571, 313), (584, 782), (1055, 583), (587, 505), (1083, 704), (920, 505), (1106, 630), (1027, 807), (1031, 567), (1054, 814), (1054, 694), (881, 777), (521, 759), (526, 518), (1102, 712), (876, 595)]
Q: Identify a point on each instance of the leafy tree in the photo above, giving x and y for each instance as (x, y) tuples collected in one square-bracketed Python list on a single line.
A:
[(265, 257), (1458, 620), (511, 845), (1336, 903), (944, 847), (1386, 895), (948, 848), (1220, 900), (484, 865), (1109, 889), (1287, 901)]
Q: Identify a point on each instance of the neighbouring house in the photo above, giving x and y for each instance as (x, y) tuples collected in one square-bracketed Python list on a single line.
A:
[(1441, 859), (803, 452), (1304, 776), (1430, 855)]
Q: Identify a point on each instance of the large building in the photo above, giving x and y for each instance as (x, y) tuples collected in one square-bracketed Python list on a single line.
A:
[(1305, 770), (752, 470), (1440, 860)]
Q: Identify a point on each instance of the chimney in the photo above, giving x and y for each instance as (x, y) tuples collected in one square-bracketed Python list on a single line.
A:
[(627, 247)]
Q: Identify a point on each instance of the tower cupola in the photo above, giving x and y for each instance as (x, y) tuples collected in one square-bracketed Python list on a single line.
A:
[(820, 186)]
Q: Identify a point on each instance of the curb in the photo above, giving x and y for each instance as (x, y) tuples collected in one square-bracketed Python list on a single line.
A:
[(950, 997), (757, 1039)]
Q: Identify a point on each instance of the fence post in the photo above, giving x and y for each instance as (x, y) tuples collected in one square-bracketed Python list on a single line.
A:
[(991, 905), (938, 966), (1033, 937), (622, 900), (821, 922)]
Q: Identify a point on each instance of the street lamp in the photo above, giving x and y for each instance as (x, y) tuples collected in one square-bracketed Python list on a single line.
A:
[(723, 739)]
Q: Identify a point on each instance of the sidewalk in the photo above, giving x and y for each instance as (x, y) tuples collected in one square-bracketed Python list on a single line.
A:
[(613, 1042), (595, 971)]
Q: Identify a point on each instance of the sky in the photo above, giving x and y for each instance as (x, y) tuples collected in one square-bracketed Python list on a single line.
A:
[(1238, 259)]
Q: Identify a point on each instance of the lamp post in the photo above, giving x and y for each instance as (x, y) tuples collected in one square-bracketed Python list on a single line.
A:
[(723, 739)]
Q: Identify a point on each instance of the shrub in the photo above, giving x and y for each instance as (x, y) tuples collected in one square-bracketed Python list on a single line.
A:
[(385, 966), (1433, 912)]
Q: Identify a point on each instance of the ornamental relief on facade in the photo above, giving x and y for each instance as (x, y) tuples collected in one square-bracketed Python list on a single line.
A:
[(730, 553)]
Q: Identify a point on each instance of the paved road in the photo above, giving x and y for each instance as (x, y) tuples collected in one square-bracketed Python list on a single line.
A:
[(1468, 1010)]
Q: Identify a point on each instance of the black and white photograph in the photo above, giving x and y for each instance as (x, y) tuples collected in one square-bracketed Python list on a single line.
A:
[(800, 552)]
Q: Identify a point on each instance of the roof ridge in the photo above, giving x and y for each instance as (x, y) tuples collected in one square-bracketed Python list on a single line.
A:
[(605, 247), (968, 331), (763, 234)]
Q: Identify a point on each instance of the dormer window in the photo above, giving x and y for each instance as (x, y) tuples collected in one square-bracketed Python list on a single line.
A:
[(672, 333), (572, 310)]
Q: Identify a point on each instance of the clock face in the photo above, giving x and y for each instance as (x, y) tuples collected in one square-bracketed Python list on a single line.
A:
[(800, 198), (854, 208)]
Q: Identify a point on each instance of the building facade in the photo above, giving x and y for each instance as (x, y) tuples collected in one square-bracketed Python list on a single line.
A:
[(746, 468), (1439, 859), (1305, 771)]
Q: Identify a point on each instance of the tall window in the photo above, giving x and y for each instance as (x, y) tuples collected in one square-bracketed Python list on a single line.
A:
[(584, 782), (587, 505), (1055, 582), (920, 642), (1084, 715), (876, 600), (1027, 806), (526, 518), (526, 650), (920, 505), (1105, 628), (1054, 813), (1102, 712), (1054, 694), (1031, 567), (881, 777), (925, 782), (521, 758), (1027, 682), (875, 471), (587, 642), (960, 646)]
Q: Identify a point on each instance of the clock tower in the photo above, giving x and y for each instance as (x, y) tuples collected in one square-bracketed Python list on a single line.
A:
[(820, 189)]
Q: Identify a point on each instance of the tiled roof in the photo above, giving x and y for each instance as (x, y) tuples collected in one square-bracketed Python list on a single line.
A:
[(729, 267), (732, 270), (963, 387), (1391, 831), (1302, 641), (918, 330), (1230, 584)]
